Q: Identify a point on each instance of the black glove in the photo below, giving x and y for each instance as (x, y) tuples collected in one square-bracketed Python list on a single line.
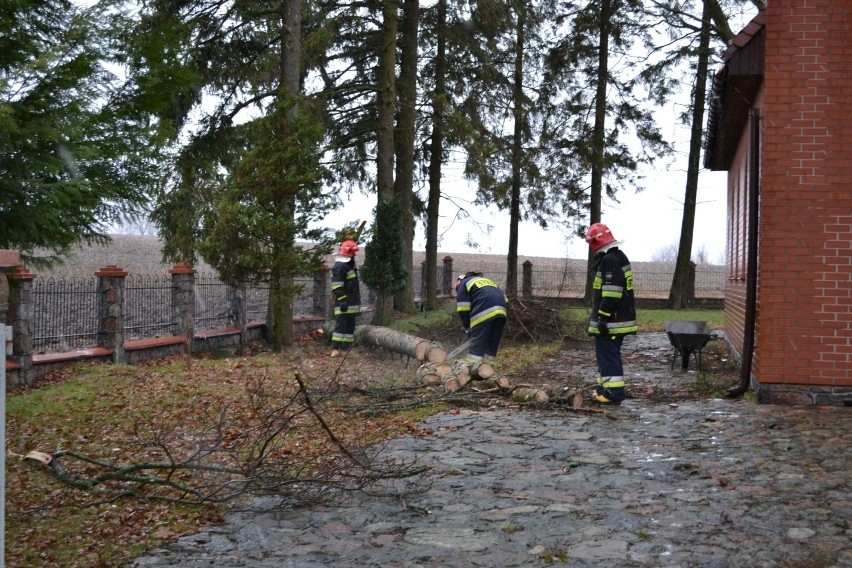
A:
[(602, 328), (344, 307)]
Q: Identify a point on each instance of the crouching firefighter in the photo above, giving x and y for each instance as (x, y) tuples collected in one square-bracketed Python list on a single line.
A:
[(347, 297), (482, 307), (613, 311)]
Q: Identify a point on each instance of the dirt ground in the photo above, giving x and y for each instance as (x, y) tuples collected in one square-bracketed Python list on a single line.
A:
[(650, 372)]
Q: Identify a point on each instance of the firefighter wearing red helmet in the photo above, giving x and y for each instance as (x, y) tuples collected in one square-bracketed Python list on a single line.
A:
[(346, 290), (613, 311)]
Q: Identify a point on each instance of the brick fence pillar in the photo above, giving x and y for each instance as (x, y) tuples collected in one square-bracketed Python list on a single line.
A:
[(21, 316), (111, 286), (447, 279)]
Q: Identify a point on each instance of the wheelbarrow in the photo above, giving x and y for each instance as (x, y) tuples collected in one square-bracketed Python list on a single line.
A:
[(688, 337)]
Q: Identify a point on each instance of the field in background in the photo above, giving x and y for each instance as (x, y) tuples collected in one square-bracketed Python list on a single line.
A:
[(142, 255)]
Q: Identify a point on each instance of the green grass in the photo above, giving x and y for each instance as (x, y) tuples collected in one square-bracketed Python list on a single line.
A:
[(439, 316), (654, 320)]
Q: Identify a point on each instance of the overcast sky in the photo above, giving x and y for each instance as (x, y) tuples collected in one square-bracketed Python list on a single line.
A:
[(647, 222)]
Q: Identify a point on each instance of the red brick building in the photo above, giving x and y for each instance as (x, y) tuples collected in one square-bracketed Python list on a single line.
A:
[(780, 124)]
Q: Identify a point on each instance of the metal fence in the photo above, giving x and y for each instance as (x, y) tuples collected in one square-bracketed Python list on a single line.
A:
[(148, 306), (66, 314), (66, 310), (650, 280)]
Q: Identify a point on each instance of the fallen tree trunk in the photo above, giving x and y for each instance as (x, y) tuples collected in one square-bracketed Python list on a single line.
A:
[(400, 342)]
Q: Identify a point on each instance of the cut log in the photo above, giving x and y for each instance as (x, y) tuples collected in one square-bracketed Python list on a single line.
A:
[(530, 395), (494, 384), (482, 371), (566, 395), (432, 373), (400, 342)]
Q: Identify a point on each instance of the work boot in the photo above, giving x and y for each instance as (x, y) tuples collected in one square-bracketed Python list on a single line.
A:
[(608, 396), (335, 352)]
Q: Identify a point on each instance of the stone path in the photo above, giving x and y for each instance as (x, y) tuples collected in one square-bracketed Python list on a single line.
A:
[(715, 483)]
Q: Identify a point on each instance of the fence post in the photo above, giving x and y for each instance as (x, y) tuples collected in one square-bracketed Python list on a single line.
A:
[(21, 316), (447, 276), (321, 304), (183, 300), (8, 259), (526, 282), (690, 284), (111, 285)]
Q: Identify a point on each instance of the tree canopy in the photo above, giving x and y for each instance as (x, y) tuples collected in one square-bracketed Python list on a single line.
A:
[(70, 163)]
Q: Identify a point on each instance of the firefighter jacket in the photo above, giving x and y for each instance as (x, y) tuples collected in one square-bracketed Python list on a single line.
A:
[(478, 300), (345, 287), (613, 300)]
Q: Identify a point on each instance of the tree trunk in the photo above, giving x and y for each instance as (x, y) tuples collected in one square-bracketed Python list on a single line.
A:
[(386, 102), (519, 113), (679, 296), (281, 300), (383, 313), (599, 132), (404, 146), (436, 155), (399, 342)]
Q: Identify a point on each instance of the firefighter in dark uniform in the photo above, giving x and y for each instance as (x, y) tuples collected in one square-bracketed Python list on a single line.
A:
[(482, 307), (347, 297), (613, 311)]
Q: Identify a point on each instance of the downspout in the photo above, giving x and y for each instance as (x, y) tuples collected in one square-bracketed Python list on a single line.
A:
[(751, 261)]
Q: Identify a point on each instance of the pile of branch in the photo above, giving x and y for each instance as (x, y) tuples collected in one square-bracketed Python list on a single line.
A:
[(533, 320)]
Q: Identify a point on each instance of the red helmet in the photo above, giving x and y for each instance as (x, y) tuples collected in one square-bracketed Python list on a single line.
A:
[(348, 248), (459, 281), (599, 235)]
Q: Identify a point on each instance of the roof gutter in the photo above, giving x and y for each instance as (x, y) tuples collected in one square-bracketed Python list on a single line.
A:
[(751, 261)]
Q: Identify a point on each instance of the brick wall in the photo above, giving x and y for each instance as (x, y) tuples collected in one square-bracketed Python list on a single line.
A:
[(804, 318)]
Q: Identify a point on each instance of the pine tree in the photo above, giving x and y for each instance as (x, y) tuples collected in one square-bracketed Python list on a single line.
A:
[(384, 270), (70, 166)]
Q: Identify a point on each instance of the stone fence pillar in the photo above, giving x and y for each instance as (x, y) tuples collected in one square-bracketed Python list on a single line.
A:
[(21, 316), (111, 286), (183, 300), (447, 280), (526, 282)]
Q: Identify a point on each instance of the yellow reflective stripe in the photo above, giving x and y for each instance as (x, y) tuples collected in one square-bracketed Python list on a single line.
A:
[(353, 310), (487, 315), (613, 383)]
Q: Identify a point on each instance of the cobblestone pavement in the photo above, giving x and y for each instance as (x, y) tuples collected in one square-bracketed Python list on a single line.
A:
[(704, 483)]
